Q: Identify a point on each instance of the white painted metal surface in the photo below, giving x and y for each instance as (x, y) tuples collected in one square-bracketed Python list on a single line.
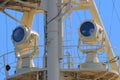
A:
[(52, 47)]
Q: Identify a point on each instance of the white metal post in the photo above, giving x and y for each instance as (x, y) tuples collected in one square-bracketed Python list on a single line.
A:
[(6, 72), (60, 33), (68, 59), (119, 68), (53, 39), (92, 58)]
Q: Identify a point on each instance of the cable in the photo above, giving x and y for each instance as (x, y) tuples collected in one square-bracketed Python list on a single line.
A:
[(58, 13), (111, 21), (78, 16), (99, 5), (7, 36), (85, 14), (118, 17)]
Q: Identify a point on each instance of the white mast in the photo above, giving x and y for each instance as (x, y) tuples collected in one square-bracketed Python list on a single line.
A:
[(52, 47)]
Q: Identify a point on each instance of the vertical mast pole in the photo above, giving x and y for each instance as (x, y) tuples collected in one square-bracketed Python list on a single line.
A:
[(53, 39)]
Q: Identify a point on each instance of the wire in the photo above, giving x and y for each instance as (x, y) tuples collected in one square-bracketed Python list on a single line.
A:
[(99, 5), (118, 17), (111, 21), (7, 36), (85, 14), (77, 13), (58, 13)]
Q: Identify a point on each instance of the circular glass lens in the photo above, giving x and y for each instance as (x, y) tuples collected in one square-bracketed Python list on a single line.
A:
[(18, 34), (87, 29)]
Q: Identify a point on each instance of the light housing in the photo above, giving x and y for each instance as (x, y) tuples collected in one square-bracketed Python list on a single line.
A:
[(26, 45), (87, 29), (90, 32), (24, 40), (18, 34)]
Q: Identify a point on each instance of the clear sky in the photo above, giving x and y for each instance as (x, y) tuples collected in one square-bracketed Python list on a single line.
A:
[(109, 12)]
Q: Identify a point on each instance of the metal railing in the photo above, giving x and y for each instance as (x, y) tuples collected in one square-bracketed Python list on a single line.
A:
[(71, 60)]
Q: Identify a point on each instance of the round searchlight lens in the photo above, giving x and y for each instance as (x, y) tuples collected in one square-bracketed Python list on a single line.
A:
[(18, 34), (87, 29)]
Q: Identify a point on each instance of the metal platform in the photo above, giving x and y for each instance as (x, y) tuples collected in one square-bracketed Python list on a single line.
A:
[(32, 75), (20, 5), (69, 74), (88, 75)]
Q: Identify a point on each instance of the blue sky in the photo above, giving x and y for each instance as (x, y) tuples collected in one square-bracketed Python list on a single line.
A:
[(110, 15)]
